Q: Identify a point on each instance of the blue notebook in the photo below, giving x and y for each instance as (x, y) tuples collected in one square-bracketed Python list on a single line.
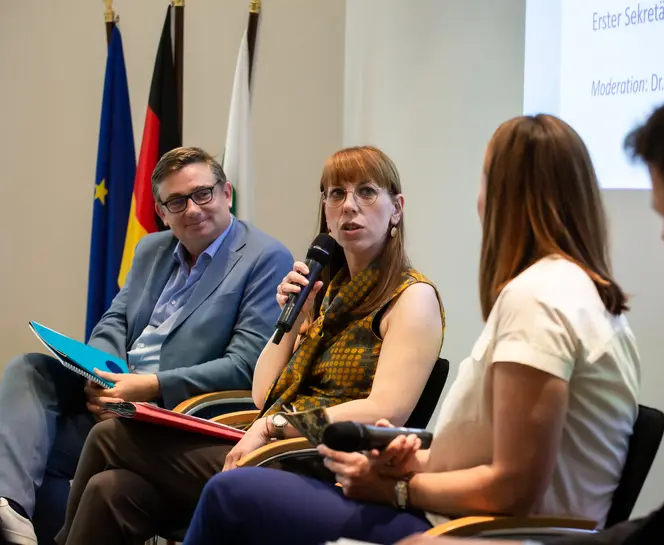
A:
[(79, 357)]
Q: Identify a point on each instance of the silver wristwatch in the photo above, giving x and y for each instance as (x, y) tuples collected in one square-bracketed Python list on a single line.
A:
[(401, 492), (279, 424)]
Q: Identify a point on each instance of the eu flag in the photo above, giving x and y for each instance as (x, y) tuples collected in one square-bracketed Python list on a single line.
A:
[(114, 182)]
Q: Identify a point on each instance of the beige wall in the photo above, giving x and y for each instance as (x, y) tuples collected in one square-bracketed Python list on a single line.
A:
[(52, 57)]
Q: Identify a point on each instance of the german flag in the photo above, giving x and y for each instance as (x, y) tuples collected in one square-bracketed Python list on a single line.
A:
[(160, 134)]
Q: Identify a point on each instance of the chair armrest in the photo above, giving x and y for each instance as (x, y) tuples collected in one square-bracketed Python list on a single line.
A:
[(238, 419), (276, 450), (476, 525), (214, 398)]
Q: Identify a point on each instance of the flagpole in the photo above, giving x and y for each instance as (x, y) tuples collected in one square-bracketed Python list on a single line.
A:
[(237, 159), (178, 7), (109, 18), (252, 33)]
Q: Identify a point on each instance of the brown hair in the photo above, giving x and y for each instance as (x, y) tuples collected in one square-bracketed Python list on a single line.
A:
[(542, 198), (177, 159), (647, 141), (354, 165)]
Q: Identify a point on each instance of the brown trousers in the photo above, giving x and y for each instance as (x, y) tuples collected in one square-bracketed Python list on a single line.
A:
[(135, 480)]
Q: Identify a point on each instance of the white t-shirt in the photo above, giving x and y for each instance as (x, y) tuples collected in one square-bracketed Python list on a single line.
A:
[(551, 317)]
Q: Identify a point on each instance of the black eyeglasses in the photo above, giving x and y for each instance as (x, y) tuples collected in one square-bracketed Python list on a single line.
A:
[(200, 196)]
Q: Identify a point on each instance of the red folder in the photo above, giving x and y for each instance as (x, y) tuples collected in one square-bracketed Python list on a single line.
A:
[(145, 412)]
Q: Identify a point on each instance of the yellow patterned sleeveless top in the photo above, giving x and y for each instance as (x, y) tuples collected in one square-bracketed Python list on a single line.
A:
[(336, 361)]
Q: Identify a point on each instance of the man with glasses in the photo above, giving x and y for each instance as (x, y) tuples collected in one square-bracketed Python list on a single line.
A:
[(196, 310)]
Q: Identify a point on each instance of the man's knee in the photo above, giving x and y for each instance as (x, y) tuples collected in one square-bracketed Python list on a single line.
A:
[(102, 434), (124, 494), (107, 487), (27, 367)]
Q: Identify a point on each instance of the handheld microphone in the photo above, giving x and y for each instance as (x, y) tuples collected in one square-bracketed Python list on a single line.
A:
[(318, 256), (355, 437)]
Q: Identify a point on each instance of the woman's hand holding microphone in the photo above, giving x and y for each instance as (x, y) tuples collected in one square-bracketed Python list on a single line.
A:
[(293, 282)]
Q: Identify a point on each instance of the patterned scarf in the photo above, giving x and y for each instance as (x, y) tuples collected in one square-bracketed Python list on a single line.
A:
[(327, 337)]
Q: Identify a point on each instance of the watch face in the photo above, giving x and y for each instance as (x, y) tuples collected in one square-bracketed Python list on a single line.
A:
[(279, 421), (402, 494)]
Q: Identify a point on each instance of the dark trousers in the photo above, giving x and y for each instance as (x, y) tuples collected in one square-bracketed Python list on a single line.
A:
[(136, 480), (43, 425), (256, 506)]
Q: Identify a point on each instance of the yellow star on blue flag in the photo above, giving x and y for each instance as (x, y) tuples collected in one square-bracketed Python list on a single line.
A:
[(101, 191)]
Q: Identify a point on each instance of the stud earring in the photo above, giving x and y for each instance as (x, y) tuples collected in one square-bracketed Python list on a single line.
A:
[(393, 231)]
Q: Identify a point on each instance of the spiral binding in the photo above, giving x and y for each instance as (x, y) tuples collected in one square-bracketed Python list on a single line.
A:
[(85, 374)]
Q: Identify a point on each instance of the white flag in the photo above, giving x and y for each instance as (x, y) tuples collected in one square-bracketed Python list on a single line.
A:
[(237, 154)]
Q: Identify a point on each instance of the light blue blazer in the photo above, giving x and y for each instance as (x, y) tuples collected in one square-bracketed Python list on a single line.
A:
[(222, 329)]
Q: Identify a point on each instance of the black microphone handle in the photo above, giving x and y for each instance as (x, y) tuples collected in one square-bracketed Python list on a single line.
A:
[(377, 437), (296, 301)]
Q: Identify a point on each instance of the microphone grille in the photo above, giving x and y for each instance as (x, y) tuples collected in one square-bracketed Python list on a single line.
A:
[(343, 436), (321, 248)]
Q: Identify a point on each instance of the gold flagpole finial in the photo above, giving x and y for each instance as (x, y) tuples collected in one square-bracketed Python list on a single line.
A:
[(109, 15), (255, 6), (177, 3)]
